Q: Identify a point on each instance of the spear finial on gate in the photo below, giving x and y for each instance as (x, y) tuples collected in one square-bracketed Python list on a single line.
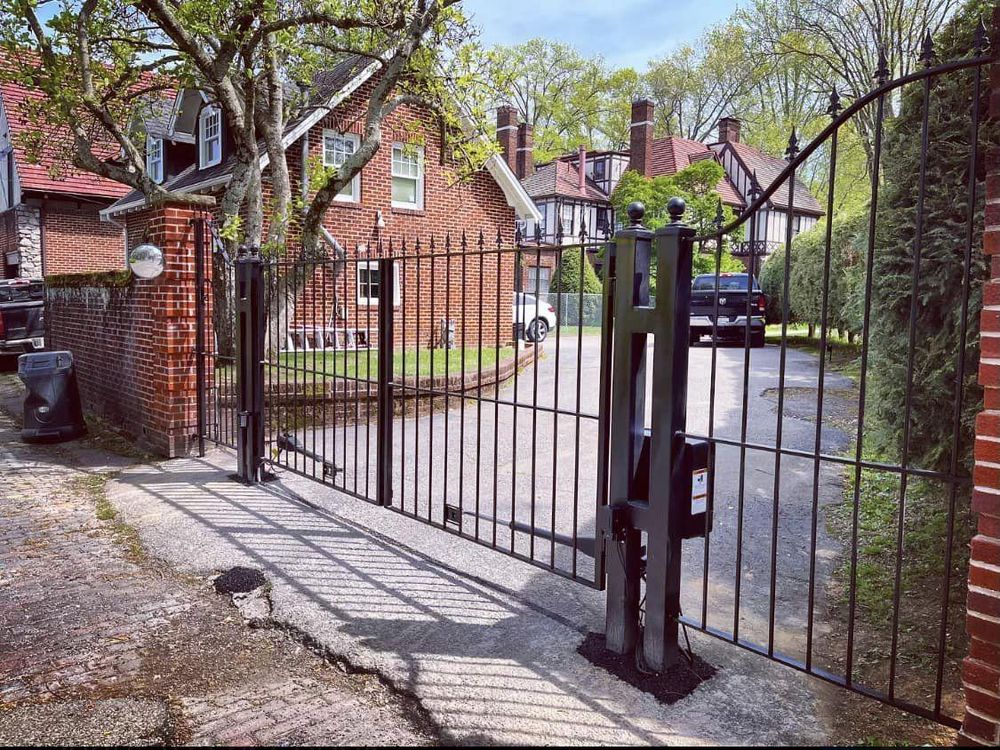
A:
[(834, 109), (882, 72), (982, 38), (755, 188), (793, 146), (720, 216), (518, 234), (927, 53), (560, 232), (538, 233), (583, 231)]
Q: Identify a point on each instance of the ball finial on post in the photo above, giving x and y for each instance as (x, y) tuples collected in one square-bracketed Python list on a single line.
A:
[(676, 208), (636, 213)]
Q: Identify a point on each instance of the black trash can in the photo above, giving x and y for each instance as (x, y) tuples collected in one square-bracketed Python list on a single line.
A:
[(52, 409)]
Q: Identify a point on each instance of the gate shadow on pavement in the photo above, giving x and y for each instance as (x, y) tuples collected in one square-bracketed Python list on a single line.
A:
[(488, 663)]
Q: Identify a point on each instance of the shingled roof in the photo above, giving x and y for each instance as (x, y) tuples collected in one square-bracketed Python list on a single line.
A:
[(768, 168), (48, 170), (672, 154), (562, 179)]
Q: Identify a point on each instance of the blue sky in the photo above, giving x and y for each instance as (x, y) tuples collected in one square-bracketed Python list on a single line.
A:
[(626, 32)]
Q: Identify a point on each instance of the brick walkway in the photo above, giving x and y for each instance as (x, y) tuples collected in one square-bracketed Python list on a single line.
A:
[(85, 616)]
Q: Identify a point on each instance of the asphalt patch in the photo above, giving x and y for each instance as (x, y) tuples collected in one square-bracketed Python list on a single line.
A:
[(668, 687), (239, 581)]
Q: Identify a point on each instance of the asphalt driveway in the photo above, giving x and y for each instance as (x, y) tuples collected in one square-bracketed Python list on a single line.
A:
[(497, 463)]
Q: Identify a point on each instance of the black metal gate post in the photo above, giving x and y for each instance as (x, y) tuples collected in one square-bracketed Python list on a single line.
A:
[(199, 312), (386, 389), (250, 367), (669, 501), (626, 434), (649, 470)]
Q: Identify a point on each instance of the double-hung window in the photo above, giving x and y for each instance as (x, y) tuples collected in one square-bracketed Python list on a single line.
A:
[(337, 147), (407, 176), (210, 137), (154, 158), (369, 285)]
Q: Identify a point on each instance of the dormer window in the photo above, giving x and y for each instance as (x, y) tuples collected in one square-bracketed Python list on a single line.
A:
[(154, 158), (209, 137)]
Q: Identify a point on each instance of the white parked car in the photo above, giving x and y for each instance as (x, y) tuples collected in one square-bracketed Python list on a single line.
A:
[(534, 316)]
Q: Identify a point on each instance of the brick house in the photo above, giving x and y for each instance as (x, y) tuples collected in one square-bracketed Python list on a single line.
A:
[(407, 191), (50, 220)]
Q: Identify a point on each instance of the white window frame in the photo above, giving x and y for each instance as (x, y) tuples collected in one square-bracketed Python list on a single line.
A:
[(405, 150), (372, 266), (209, 113), (154, 167), (352, 192)]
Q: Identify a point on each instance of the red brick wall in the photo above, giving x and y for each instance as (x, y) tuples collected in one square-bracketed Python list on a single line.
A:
[(134, 347), (75, 240), (982, 667)]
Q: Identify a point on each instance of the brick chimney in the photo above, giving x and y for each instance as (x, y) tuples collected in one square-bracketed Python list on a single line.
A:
[(507, 121), (583, 167), (641, 141), (729, 130), (525, 151)]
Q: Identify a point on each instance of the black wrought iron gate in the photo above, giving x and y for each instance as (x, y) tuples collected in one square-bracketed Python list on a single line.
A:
[(441, 379)]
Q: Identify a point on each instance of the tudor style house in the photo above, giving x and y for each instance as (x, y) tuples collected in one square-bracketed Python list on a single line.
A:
[(407, 191), (744, 164), (49, 211), (567, 195)]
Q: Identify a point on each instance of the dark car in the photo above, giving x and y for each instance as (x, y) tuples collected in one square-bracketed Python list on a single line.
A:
[(22, 315), (731, 324)]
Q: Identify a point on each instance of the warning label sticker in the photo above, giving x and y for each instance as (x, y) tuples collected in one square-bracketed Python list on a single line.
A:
[(699, 492)]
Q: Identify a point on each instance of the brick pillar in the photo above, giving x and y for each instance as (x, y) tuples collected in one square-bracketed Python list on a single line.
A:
[(135, 347), (981, 672), (507, 121), (641, 140)]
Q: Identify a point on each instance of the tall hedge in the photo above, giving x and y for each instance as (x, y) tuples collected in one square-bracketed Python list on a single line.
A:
[(567, 276), (809, 269), (939, 291), (772, 283)]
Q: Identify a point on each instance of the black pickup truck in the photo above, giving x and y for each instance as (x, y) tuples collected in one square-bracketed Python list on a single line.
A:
[(22, 315), (732, 310)]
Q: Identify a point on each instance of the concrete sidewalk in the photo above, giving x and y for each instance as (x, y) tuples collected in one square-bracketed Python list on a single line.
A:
[(486, 644)]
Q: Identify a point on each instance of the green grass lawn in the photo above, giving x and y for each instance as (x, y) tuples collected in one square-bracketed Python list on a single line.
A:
[(566, 332), (364, 364)]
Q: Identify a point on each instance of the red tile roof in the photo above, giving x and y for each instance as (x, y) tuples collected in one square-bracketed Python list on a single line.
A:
[(562, 179), (672, 154), (53, 173)]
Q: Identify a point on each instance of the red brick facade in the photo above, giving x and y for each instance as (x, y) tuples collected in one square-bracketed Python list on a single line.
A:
[(451, 206), (71, 239), (982, 667), (75, 240), (134, 346)]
